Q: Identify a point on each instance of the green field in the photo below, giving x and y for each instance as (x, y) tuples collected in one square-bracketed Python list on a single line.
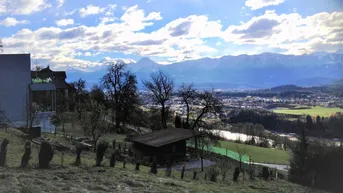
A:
[(259, 154), (87, 178), (314, 111)]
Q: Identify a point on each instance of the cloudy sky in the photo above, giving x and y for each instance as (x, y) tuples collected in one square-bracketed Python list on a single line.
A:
[(85, 33)]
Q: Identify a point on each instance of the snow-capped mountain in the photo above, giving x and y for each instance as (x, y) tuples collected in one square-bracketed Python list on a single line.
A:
[(244, 71)]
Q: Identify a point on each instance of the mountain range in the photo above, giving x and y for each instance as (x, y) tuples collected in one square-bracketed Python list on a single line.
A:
[(243, 71)]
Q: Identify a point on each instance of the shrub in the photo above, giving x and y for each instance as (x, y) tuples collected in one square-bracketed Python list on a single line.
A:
[(265, 173), (78, 154), (195, 175), (236, 174), (100, 152), (183, 171), (213, 174), (45, 155), (3, 152), (124, 162), (26, 156), (113, 159), (137, 165)]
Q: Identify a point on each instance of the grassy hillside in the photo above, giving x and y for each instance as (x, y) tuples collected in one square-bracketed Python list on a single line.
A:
[(259, 154), (87, 178), (314, 111)]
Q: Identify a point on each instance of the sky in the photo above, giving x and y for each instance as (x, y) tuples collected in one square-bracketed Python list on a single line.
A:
[(86, 33)]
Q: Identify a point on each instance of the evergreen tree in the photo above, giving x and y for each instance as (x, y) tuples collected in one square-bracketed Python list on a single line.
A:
[(299, 168), (309, 123)]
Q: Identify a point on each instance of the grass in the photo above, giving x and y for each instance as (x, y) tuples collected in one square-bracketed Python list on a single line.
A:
[(314, 111), (87, 178), (259, 154)]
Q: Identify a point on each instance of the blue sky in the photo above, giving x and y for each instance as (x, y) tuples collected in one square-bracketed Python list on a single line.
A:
[(88, 33)]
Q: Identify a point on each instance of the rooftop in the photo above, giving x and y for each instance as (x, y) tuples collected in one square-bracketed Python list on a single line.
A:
[(164, 137)]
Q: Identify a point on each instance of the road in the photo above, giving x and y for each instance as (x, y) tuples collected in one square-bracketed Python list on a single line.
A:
[(277, 166)]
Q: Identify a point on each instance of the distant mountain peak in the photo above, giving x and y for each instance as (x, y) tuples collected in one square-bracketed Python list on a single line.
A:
[(244, 71), (146, 59)]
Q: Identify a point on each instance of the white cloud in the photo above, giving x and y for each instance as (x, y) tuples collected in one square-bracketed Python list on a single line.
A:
[(181, 39), (95, 10), (88, 54), (291, 32), (91, 10), (110, 9), (70, 12), (22, 7), (191, 25), (218, 43), (257, 4), (10, 21), (65, 22), (108, 60), (154, 16), (60, 3), (105, 20), (136, 20)]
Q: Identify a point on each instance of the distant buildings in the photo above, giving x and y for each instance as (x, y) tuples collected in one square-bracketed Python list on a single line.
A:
[(20, 88), (50, 88)]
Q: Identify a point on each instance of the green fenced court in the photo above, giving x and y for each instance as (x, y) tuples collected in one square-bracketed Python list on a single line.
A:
[(225, 152)]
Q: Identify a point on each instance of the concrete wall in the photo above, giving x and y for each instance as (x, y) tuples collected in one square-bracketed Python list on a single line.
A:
[(15, 77)]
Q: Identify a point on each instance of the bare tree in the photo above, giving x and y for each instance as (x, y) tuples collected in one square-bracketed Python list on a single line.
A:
[(188, 94), (121, 87), (161, 85), (209, 104), (205, 146), (94, 121), (129, 98), (224, 165), (80, 95), (97, 93)]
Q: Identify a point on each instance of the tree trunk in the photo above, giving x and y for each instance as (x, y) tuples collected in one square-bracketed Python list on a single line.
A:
[(63, 127), (163, 118), (112, 116), (95, 142), (196, 147), (202, 163), (187, 119), (117, 121)]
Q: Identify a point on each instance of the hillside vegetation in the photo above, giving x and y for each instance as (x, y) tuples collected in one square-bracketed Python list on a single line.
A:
[(87, 178)]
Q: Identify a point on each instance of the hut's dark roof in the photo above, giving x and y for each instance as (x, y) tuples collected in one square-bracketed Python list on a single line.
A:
[(164, 137)]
